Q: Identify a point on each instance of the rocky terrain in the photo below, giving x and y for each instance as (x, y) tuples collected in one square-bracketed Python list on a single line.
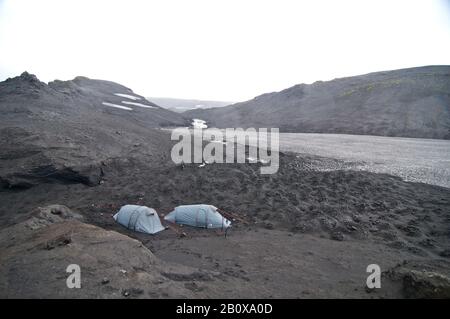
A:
[(68, 163), (411, 102), (64, 131)]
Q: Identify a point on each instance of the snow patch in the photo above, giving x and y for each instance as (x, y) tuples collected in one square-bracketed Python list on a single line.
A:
[(128, 96), (117, 106), (255, 160), (138, 104), (197, 123), (217, 141)]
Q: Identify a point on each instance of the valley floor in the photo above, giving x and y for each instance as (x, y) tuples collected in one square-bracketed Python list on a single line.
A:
[(260, 263), (305, 234)]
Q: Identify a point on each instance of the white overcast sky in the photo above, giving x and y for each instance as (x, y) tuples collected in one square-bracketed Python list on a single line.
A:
[(229, 50)]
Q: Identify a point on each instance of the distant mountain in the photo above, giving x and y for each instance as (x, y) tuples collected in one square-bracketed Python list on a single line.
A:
[(182, 105), (67, 130), (412, 102)]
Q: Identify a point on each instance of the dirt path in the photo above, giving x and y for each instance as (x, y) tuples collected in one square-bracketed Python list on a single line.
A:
[(261, 263)]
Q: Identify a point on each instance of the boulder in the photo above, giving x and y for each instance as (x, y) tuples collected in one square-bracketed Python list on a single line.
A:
[(422, 279)]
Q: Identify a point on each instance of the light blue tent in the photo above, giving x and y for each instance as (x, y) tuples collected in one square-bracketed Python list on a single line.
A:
[(139, 218), (205, 216)]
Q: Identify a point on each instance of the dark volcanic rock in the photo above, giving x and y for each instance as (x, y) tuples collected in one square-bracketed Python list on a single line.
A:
[(422, 284), (419, 279)]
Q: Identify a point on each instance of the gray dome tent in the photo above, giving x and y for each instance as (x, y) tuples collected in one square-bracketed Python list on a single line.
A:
[(139, 218), (205, 216)]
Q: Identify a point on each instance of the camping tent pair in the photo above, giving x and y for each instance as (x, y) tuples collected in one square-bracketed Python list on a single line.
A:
[(139, 218), (205, 216), (146, 220)]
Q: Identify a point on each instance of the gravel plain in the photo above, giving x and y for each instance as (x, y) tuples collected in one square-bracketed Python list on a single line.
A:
[(412, 159)]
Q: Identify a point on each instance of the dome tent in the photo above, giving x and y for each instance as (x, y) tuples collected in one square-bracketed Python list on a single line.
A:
[(205, 216), (139, 218)]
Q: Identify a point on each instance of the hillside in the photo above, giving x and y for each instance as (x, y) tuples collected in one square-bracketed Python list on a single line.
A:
[(411, 102), (182, 105), (65, 130)]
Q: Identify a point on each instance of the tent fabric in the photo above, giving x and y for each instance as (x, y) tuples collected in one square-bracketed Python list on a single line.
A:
[(205, 216), (139, 218)]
